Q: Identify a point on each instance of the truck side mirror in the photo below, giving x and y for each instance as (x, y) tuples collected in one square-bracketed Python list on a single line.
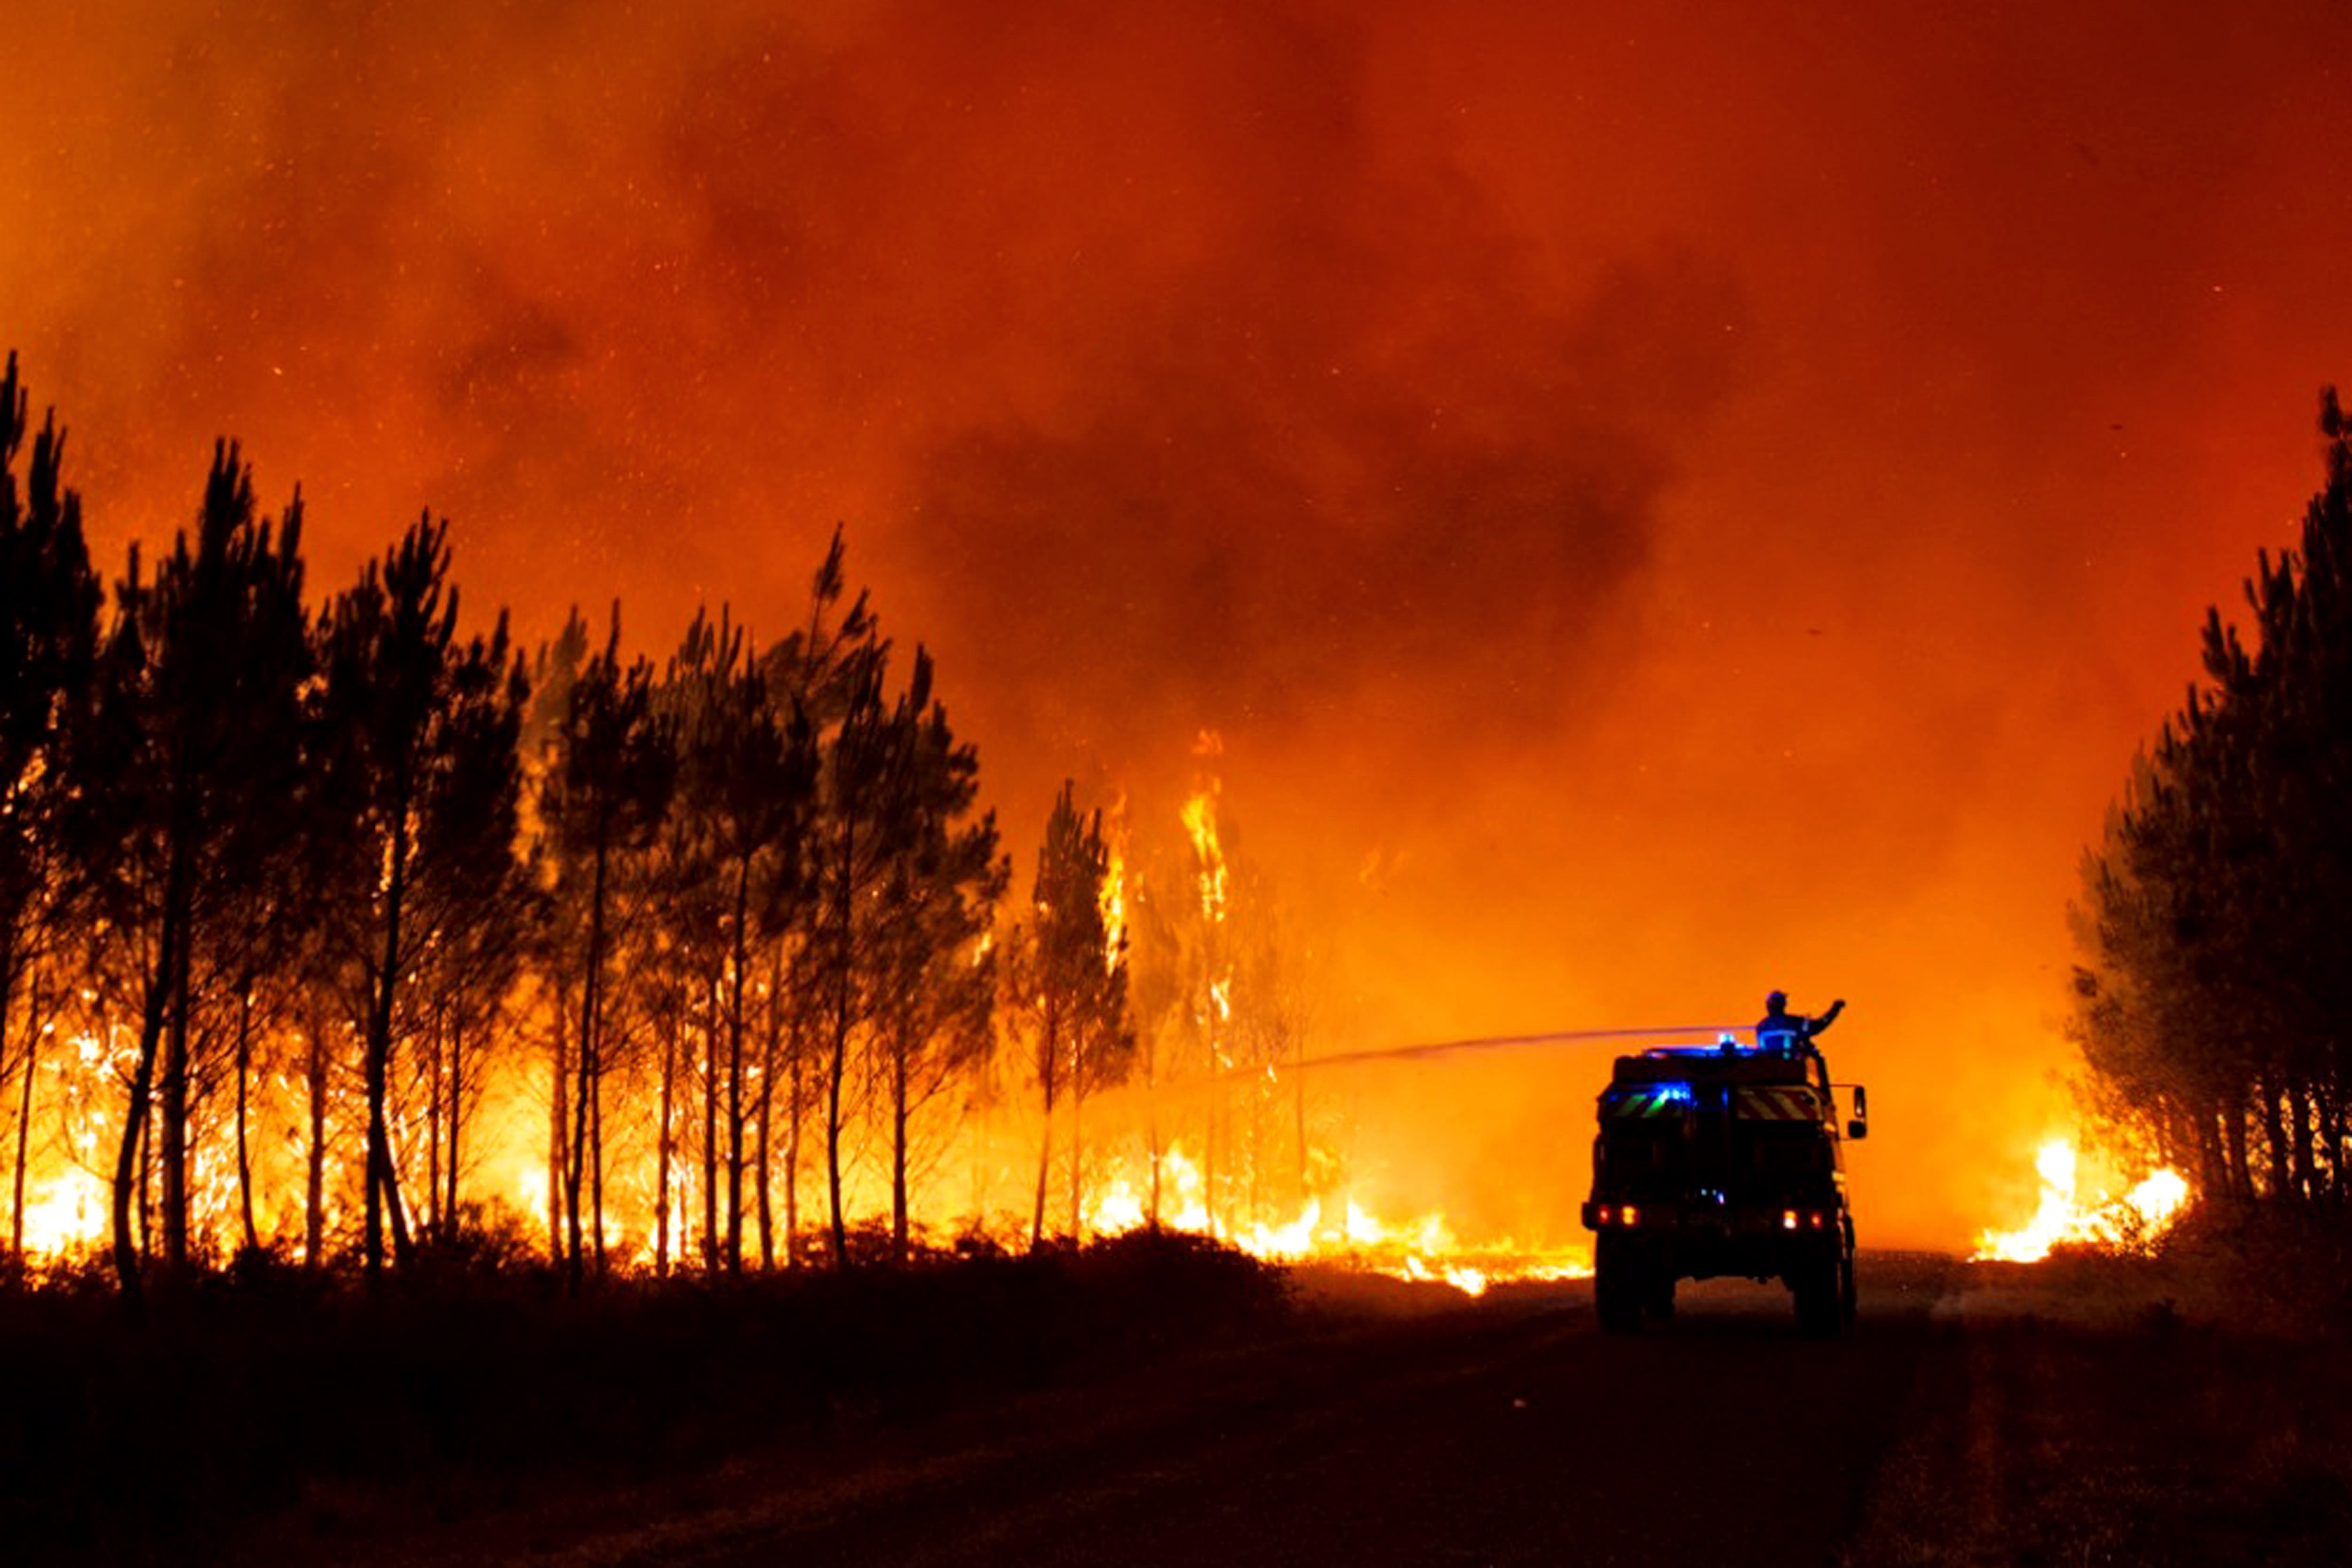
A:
[(1859, 1128)]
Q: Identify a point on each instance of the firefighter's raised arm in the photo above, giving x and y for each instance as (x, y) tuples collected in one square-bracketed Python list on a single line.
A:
[(1826, 1019)]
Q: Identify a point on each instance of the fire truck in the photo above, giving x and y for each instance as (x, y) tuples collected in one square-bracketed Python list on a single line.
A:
[(1722, 1160)]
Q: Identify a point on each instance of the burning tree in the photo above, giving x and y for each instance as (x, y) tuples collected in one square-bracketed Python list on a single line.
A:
[(48, 635), (932, 960), (1222, 1011), (192, 752), (474, 891), (420, 732), (1067, 978), (822, 667), (737, 854), (605, 802), (906, 887), (330, 873)]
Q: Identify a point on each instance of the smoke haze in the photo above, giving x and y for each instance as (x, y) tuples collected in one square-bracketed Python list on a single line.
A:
[(1655, 508)]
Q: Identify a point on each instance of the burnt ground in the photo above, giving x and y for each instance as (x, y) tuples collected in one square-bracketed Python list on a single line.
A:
[(2066, 1415)]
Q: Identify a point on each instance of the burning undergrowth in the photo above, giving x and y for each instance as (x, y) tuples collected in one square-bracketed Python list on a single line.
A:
[(2068, 1216)]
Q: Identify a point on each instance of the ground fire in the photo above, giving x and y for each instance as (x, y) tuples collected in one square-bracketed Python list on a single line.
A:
[(2133, 1221), (1216, 1127)]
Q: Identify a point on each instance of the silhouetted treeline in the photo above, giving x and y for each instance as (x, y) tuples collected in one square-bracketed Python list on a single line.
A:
[(295, 894), (2214, 1007), (348, 853)]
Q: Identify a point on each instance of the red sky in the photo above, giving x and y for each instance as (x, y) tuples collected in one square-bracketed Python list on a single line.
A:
[(1659, 502)]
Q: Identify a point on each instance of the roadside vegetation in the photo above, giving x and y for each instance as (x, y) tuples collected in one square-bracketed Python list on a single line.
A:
[(2213, 1000)]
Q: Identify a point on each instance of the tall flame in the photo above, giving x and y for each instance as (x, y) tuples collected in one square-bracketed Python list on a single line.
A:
[(2135, 1222), (1114, 886), (1201, 823)]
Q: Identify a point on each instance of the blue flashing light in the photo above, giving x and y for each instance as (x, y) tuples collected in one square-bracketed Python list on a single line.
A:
[(1675, 1093)]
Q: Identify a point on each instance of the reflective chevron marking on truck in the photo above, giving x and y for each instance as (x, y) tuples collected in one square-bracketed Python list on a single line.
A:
[(1775, 1104), (1651, 1099)]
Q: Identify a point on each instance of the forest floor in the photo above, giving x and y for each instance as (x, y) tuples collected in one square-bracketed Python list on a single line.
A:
[(2096, 1411), (1181, 1406)]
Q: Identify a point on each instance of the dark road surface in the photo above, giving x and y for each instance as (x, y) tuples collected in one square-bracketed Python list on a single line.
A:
[(1512, 1433)]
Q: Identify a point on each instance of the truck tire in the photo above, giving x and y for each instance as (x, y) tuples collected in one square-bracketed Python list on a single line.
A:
[(1617, 1288), (1850, 1296), (1821, 1300), (1658, 1299)]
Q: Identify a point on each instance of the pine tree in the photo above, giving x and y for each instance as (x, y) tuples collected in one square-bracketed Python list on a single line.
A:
[(1070, 983), (193, 746), (49, 638), (935, 978), (748, 776), (612, 793), (2214, 1004)]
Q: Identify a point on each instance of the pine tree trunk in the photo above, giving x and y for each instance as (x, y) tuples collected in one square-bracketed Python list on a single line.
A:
[(243, 1156), (596, 1155), (2300, 1180), (33, 1022), (792, 1252), (456, 1121), (559, 1125), (380, 1184), (430, 1221), (174, 1131), (582, 1118), (314, 1173), (1078, 1143), (662, 1145), (2274, 1135), (146, 1200), (735, 1069), (1051, 1061), (7, 997), (838, 1066), (768, 1106), (710, 1078), (131, 1161)]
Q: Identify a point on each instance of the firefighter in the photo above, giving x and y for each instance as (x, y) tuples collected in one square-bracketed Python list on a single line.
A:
[(1788, 1033)]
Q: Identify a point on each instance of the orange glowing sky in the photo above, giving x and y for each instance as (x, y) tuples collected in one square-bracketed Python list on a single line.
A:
[(1660, 501)]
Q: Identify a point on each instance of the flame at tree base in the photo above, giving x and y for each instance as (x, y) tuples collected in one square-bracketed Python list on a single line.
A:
[(1423, 1250), (2132, 1223)]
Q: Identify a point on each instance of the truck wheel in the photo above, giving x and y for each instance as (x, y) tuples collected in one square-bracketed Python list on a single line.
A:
[(1820, 1306), (1849, 1297), (1658, 1303), (1617, 1282)]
